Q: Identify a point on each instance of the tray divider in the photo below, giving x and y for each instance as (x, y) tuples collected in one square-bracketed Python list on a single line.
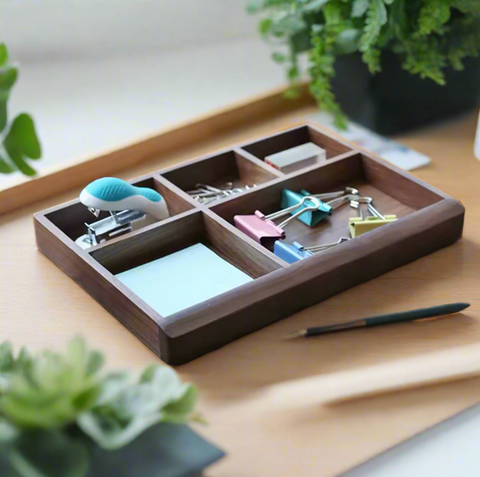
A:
[(141, 246), (259, 163), (178, 197), (241, 249)]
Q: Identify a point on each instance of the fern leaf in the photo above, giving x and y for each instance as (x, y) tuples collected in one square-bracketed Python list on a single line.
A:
[(433, 15), (376, 18), (360, 7)]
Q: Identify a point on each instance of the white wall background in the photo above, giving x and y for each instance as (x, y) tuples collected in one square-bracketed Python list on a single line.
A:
[(99, 73), (39, 30)]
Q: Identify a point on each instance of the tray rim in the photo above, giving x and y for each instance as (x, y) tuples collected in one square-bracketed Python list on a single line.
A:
[(170, 328)]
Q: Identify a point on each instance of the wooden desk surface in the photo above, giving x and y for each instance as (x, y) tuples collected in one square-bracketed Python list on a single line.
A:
[(264, 436)]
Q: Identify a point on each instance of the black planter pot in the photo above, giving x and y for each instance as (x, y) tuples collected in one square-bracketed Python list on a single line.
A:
[(394, 101), (165, 450)]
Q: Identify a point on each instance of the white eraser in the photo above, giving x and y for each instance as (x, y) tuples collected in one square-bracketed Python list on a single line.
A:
[(298, 157)]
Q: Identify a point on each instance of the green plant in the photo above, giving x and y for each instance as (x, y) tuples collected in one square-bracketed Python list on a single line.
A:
[(49, 404), (428, 35), (18, 139)]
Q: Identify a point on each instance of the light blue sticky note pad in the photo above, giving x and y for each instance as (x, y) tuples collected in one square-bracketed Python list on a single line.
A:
[(182, 279)]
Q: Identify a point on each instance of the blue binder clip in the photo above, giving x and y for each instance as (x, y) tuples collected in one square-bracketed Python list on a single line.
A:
[(290, 253), (296, 251), (310, 218)]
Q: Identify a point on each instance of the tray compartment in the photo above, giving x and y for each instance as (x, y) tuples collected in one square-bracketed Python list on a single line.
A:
[(168, 237), (70, 218), (372, 179), (229, 166), (296, 137)]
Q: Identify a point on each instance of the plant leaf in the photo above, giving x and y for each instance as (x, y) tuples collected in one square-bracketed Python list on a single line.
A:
[(126, 409), (5, 168), (6, 357), (347, 41), (51, 390), (21, 141), (360, 7), (7, 361), (314, 5), (108, 432), (180, 411), (3, 54), (18, 160), (8, 432), (8, 77), (23, 137)]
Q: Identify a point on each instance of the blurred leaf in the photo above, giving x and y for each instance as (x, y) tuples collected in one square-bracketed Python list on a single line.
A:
[(347, 41), (179, 412), (265, 26), (314, 5), (291, 93), (21, 142), (18, 160), (126, 409), (279, 57), (300, 42), (3, 54), (360, 7), (3, 112), (23, 137), (286, 24), (5, 168), (254, 6), (51, 390), (49, 454), (293, 73), (8, 432), (7, 361), (6, 357), (8, 77)]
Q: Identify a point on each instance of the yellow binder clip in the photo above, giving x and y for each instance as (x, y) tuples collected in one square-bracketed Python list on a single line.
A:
[(360, 225)]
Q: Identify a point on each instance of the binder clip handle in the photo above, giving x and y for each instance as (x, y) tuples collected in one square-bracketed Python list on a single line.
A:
[(281, 213), (369, 201)]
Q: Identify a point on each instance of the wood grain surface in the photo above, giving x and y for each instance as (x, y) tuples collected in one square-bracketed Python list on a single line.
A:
[(269, 434)]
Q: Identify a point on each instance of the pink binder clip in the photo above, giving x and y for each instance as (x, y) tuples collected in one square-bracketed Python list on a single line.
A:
[(263, 230)]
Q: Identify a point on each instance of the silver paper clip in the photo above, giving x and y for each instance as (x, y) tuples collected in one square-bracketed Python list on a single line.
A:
[(205, 194)]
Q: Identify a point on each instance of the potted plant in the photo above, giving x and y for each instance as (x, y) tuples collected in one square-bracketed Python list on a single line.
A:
[(391, 65), (61, 416)]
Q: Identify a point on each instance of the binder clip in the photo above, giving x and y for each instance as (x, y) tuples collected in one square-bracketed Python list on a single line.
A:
[(310, 217), (314, 217), (263, 230), (360, 225), (296, 251), (127, 205), (348, 191)]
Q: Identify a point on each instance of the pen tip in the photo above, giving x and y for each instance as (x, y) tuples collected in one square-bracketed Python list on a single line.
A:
[(296, 334)]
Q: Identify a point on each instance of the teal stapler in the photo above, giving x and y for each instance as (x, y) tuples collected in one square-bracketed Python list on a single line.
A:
[(126, 204), (310, 218)]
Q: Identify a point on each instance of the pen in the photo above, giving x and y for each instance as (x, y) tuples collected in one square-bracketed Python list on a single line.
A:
[(434, 311)]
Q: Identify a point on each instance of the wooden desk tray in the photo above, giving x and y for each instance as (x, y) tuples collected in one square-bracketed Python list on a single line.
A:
[(428, 221)]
